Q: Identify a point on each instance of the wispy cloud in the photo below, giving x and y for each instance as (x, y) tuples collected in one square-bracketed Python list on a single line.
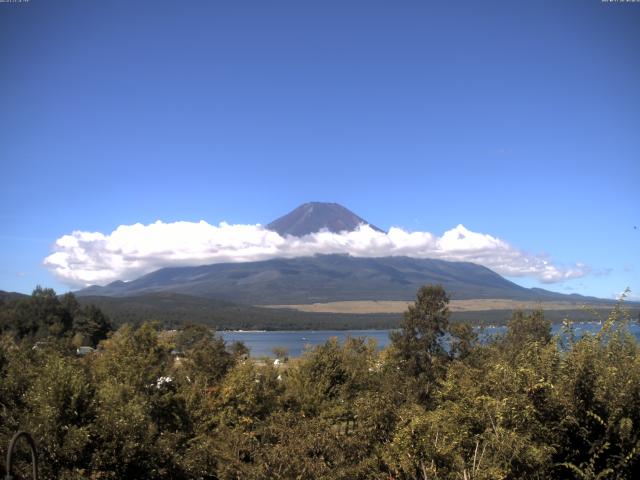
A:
[(603, 272), (82, 258)]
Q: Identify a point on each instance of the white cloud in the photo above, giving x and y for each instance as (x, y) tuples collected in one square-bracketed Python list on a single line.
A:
[(84, 258)]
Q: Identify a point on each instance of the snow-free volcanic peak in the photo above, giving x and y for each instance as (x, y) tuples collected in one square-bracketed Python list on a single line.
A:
[(315, 216)]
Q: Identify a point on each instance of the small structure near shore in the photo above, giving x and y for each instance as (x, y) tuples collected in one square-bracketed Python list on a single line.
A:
[(82, 351)]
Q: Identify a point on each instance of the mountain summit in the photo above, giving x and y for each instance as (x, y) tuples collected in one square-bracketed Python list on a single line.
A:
[(315, 216)]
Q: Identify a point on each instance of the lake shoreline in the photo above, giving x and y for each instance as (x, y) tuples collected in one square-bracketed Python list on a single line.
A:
[(261, 343)]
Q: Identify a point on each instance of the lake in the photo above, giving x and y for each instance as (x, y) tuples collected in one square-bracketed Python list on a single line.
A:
[(260, 343)]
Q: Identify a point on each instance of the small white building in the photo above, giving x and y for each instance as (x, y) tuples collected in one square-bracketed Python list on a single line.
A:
[(82, 351)]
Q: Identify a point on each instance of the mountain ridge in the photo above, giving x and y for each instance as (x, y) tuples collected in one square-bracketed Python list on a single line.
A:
[(313, 217), (327, 278)]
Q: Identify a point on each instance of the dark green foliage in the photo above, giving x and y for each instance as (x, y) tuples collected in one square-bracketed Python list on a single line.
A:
[(154, 404), (45, 315), (418, 346), (91, 325), (463, 340), (174, 310), (39, 315), (525, 328), (207, 360)]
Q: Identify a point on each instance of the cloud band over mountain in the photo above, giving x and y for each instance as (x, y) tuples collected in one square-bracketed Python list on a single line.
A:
[(83, 258)]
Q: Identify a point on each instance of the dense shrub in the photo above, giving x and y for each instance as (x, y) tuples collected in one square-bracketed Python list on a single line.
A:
[(155, 404)]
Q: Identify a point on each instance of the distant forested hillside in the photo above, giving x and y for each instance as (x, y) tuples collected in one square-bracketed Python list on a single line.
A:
[(19, 311), (174, 309)]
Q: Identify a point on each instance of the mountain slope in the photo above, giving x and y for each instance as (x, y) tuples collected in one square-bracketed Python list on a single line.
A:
[(326, 278), (315, 216), (6, 297)]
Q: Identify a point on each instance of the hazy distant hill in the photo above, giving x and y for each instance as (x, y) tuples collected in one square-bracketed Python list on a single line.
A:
[(315, 216), (8, 296), (326, 278)]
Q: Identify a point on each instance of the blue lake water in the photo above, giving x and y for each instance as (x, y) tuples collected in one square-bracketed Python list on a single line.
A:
[(296, 341)]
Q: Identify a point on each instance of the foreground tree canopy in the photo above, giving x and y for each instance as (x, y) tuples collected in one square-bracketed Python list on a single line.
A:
[(44, 316), (435, 404)]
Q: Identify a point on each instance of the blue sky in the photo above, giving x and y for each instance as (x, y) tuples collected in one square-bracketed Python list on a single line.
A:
[(518, 120)]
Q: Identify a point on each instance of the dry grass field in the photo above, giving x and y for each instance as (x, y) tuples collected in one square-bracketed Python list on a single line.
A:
[(395, 306)]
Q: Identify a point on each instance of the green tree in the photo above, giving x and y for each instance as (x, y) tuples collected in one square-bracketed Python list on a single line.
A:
[(524, 328), (418, 345), (92, 324), (45, 316), (463, 340), (191, 335), (39, 316), (598, 436), (60, 412), (317, 378), (141, 422)]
